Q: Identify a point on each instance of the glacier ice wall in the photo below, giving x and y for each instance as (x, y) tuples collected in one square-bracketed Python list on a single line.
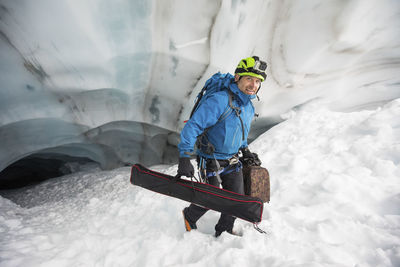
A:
[(113, 81)]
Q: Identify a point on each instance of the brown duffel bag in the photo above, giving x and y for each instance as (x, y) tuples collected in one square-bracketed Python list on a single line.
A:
[(256, 182)]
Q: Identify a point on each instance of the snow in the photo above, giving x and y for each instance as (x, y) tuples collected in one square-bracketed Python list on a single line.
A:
[(335, 202)]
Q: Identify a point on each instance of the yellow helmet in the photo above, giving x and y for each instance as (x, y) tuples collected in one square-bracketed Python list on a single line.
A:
[(252, 66)]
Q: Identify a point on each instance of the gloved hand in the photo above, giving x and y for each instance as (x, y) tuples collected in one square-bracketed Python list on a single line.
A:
[(246, 153), (185, 168), (249, 158)]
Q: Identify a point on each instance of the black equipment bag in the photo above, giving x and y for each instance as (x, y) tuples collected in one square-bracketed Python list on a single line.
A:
[(241, 206)]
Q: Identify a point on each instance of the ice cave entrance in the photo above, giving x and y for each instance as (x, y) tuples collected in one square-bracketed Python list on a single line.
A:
[(38, 167)]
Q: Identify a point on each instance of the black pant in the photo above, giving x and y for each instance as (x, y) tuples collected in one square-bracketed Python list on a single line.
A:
[(233, 182)]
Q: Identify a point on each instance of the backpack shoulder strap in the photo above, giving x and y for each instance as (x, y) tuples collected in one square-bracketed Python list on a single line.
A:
[(199, 97), (231, 97), (237, 110)]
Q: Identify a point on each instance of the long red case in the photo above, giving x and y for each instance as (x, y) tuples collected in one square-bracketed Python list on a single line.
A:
[(241, 206)]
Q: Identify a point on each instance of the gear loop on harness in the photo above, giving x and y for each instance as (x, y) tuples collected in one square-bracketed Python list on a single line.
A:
[(229, 165)]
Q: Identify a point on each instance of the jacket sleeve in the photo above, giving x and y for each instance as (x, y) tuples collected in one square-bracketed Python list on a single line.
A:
[(205, 116)]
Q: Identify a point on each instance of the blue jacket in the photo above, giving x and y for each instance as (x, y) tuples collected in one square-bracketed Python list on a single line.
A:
[(226, 135)]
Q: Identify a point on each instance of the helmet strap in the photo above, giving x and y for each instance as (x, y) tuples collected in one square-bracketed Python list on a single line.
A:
[(258, 98)]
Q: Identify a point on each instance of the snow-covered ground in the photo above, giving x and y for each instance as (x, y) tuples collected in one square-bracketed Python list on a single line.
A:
[(335, 202)]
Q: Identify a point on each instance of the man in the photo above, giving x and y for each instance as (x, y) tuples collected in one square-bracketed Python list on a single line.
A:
[(220, 126)]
